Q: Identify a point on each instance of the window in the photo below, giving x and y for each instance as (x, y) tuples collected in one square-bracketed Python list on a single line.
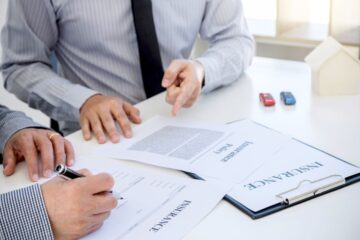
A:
[(305, 20)]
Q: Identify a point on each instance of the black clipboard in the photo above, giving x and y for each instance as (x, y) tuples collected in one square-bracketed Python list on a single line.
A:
[(281, 205), (284, 205)]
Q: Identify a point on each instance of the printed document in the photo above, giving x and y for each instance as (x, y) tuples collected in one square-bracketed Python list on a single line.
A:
[(155, 207), (294, 171), (226, 152)]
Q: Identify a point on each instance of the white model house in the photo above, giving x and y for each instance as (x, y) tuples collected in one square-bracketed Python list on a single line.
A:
[(334, 70)]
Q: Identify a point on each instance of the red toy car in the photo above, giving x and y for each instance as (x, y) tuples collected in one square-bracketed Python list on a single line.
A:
[(267, 99)]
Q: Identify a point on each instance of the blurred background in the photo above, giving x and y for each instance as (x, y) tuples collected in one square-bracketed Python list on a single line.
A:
[(283, 29), (290, 29)]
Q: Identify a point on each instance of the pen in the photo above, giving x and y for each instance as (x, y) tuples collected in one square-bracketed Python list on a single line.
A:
[(72, 174)]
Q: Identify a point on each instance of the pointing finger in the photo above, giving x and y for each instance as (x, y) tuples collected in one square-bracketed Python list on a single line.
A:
[(172, 93), (186, 91), (172, 73)]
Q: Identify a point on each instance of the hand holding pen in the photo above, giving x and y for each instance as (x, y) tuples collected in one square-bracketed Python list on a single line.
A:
[(69, 174), (80, 206)]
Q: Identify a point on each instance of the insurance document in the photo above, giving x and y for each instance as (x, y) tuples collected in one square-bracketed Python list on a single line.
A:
[(226, 152), (295, 172), (154, 207)]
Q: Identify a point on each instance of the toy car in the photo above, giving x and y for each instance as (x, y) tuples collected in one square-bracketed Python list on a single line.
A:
[(267, 99), (287, 98)]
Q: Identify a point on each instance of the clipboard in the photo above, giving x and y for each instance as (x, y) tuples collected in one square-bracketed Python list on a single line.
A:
[(295, 196)]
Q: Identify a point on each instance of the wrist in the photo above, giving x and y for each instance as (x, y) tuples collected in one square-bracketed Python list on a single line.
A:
[(88, 100), (199, 72)]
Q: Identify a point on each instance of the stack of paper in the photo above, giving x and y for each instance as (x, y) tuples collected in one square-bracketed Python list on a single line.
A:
[(265, 167), (229, 153), (155, 207)]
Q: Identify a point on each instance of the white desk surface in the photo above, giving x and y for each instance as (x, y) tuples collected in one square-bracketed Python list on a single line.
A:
[(329, 123)]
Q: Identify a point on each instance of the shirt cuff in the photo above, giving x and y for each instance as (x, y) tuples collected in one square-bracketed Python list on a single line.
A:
[(13, 126), (211, 75), (23, 215)]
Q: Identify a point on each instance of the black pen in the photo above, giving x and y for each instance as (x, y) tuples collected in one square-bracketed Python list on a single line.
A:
[(71, 174)]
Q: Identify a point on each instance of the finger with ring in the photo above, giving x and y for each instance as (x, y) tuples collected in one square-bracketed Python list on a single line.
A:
[(52, 134)]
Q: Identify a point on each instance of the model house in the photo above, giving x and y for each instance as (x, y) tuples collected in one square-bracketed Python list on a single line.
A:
[(334, 70)]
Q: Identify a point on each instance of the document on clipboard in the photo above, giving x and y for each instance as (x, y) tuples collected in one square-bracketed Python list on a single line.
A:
[(296, 173), (270, 171)]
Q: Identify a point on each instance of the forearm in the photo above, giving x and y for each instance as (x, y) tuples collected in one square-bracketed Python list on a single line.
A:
[(23, 215), (231, 43), (42, 89), (28, 38), (225, 62)]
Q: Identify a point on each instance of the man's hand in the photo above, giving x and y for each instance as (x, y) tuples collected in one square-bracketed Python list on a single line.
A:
[(80, 206), (99, 115), (30, 143), (183, 80)]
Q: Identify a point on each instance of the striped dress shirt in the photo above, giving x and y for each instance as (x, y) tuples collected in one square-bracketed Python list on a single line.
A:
[(95, 43), (22, 212)]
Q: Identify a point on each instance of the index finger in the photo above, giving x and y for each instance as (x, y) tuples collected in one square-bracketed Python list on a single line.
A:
[(85, 172), (172, 73), (96, 184), (183, 97)]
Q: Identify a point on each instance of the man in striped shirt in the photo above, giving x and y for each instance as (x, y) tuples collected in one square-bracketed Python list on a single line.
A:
[(57, 209), (97, 45)]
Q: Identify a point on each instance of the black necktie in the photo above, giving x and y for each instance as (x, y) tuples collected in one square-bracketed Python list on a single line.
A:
[(150, 59)]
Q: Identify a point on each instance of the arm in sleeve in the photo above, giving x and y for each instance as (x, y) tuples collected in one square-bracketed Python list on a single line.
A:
[(23, 215), (11, 122), (231, 45), (28, 38)]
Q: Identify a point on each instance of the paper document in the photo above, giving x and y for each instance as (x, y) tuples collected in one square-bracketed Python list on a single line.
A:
[(156, 207), (229, 153), (296, 172)]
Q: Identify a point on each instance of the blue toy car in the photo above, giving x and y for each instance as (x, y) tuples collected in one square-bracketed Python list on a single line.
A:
[(287, 98)]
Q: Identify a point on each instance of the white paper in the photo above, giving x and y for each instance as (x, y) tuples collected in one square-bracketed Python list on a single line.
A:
[(244, 150), (246, 154), (295, 163), (165, 142), (224, 152), (147, 200)]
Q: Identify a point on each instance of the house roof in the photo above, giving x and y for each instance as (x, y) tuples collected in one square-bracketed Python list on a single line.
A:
[(327, 49)]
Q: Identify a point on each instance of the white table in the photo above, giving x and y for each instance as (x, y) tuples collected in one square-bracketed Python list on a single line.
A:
[(329, 123)]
